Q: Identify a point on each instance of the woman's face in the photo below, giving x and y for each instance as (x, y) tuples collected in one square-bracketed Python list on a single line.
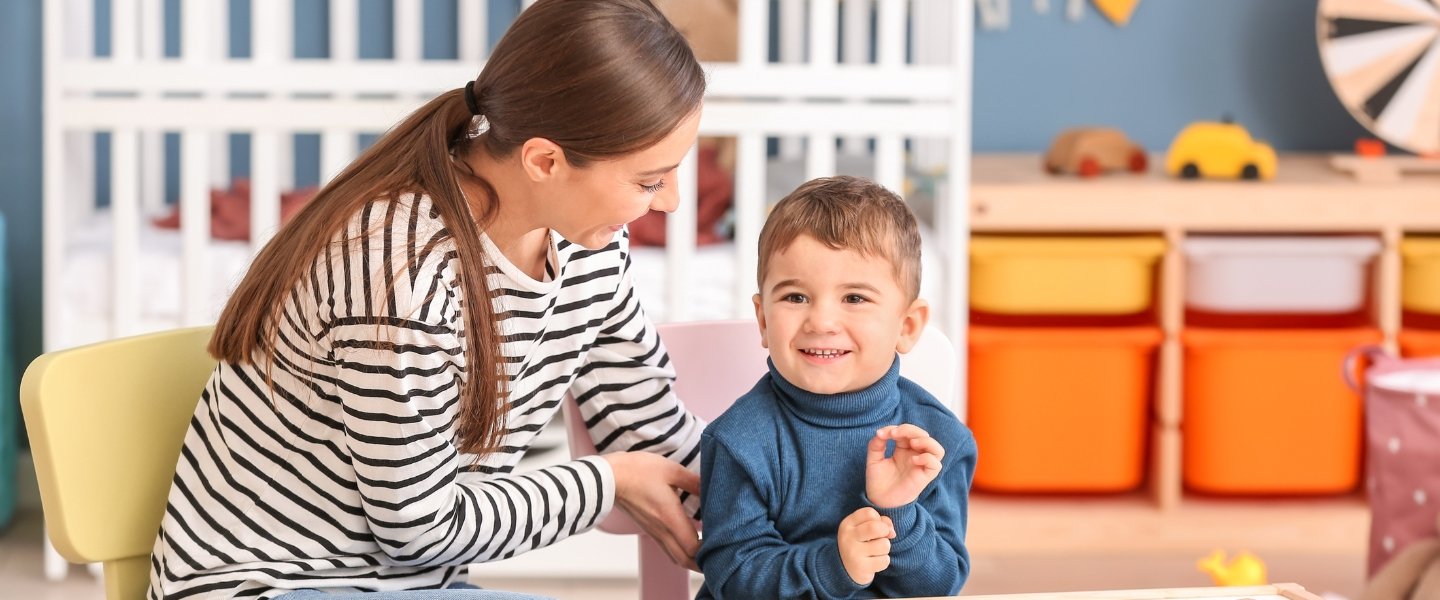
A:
[(603, 197)]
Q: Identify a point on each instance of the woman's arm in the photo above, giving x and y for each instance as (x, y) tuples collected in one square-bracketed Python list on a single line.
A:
[(398, 381)]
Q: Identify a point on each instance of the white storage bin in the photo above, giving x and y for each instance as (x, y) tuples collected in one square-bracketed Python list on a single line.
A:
[(1294, 275)]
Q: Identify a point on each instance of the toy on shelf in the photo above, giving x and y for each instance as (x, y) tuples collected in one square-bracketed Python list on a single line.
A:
[(1219, 150), (1245, 569), (1090, 151), (1370, 165)]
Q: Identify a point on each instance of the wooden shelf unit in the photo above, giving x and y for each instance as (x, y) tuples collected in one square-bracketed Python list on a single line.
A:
[(1010, 193)]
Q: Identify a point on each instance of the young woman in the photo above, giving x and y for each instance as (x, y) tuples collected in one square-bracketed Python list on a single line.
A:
[(393, 351)]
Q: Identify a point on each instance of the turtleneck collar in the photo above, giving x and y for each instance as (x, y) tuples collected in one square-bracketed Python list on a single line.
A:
[(870, 405)]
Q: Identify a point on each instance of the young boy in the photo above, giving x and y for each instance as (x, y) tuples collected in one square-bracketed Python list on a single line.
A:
[(801, 498)]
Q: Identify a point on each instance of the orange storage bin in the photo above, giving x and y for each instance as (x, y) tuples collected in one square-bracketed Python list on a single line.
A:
[(1267, 412), (1061, 409), (1415, 343)]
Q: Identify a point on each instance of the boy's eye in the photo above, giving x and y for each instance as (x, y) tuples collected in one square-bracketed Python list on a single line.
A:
[(651, 188), (794, 298), (855, 299)]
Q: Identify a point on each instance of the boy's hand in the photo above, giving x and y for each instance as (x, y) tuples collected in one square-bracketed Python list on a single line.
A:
[(864, 539), (898, 480)]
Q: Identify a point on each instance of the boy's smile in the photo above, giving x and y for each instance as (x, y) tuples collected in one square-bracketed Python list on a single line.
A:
[(834, 319)]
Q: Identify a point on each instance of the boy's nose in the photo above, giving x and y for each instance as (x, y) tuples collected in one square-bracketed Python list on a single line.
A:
[(821, 319)]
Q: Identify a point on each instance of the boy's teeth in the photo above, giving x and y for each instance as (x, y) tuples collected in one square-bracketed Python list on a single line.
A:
[(823, 352)]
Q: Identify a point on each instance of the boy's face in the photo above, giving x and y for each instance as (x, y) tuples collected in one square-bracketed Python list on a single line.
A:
[(833, 319)]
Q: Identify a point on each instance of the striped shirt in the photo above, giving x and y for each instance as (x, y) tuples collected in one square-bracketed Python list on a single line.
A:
[(343, 474)]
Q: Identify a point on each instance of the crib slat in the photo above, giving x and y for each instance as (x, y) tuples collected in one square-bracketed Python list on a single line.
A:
[(823, 42), (792, 50), (890, 34), (855, 51), (272, 31), (124, 26), (754, 32), (58, 21), (680, 241), (344, 30), (198, 37), (125, 221), (962, 28), (220, 160), (194, 225), (409, 35), (473, 17), (890, 161), (152, 171), (152, 29), (264, 187), (337, 148), (750, 204), (820, 155)]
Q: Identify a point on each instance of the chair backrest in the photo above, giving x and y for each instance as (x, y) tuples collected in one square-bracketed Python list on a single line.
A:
[(106, 422), (716, 362)]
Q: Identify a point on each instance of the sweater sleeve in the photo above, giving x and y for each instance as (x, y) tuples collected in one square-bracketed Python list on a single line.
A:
[(423, 506), (624, 390), (928, 555), (743, 555)]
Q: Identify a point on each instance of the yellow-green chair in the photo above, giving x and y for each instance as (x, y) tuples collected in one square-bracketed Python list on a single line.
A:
[(105, 423)]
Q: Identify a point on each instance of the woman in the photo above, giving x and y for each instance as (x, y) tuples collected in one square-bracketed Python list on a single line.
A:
[(394, 350)]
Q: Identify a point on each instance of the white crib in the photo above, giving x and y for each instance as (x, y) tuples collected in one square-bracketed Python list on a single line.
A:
[(834, 109)]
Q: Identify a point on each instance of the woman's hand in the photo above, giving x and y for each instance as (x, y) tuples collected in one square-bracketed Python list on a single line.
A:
[(864, 540), (645, 487), (898, 480)]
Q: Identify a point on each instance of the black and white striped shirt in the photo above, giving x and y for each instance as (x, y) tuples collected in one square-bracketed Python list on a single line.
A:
[(342, 474)]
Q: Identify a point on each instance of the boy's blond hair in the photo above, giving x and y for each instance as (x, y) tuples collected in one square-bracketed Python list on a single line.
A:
[(847, 213)]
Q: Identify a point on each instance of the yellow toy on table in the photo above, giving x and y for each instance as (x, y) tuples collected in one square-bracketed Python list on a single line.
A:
[(1219, 150), (1245, 569)]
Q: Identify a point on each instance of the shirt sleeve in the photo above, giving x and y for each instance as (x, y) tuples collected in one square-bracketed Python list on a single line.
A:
[(399, 365), (928, 555), (743, 555), (624, 390)]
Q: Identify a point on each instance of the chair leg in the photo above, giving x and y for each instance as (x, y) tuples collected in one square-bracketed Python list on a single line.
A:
[(56, 567), (660, 579)]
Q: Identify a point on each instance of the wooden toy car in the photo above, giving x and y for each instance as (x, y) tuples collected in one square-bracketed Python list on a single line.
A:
[(1089, 151), (1219, 150)]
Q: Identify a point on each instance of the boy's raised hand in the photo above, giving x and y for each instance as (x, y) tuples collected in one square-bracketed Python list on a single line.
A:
[(864, 540), (899, 479)]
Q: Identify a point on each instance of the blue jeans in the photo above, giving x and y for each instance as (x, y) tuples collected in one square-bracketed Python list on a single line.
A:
[(458, 591)]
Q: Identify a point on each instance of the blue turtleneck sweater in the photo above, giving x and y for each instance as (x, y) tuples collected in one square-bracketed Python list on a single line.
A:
[(783, 466)]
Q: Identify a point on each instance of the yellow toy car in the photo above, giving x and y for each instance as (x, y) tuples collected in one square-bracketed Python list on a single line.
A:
[(1219, 151)]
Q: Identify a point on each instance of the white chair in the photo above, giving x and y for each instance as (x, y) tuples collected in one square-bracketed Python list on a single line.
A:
[(716, 362)]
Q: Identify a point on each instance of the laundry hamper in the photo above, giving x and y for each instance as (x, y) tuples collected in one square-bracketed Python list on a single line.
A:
[(1402, 443)]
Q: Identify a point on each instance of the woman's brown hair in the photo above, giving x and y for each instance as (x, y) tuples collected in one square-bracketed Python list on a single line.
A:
[(600, 78)]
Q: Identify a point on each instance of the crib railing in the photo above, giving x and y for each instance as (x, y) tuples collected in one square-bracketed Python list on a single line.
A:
[(883, 79)]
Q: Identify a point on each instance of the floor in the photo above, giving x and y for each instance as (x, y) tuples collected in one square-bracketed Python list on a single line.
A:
[(1000, 563)]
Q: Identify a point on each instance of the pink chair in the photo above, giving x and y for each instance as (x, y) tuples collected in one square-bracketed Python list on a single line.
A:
[(715, 363)]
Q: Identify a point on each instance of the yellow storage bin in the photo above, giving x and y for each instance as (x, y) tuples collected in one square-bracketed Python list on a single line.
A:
[(1063, 275), (1421, 277)]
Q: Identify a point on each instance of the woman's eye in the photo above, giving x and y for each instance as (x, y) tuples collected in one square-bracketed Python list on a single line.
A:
[(654, 187)]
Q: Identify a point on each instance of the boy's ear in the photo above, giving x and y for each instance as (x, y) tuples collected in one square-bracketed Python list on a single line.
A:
[(760, 320), (912, 324), (541, 159)]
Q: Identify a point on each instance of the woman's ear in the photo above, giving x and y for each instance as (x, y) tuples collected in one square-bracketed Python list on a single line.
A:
[(912, 324), (542, 159)]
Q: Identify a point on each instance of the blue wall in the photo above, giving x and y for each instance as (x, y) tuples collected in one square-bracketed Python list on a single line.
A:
[(1177, 61)]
